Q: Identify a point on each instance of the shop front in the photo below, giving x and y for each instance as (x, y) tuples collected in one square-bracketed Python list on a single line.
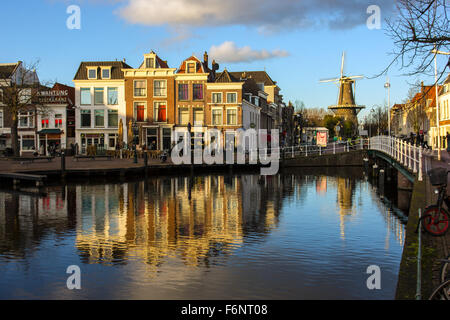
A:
[(157, 137), (50, 141)]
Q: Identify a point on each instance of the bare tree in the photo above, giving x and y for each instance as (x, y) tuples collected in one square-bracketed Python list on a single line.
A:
[(20, 95), (419, 27)]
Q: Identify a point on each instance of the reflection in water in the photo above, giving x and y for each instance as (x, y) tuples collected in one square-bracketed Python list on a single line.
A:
[(283, 223)]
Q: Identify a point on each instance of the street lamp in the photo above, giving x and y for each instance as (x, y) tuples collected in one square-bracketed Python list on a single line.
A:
[(387, 85), (436, 52)]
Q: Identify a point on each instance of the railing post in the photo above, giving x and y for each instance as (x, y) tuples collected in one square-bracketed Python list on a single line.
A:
[(334, 147), (420, 164), (306, 148), (292, 151), (348, 150), (320, 150), (415, 160), (410, 155)]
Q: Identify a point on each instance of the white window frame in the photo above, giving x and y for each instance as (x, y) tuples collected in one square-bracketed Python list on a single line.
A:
[(135, 110), (179, 115), (193, 114), (212, 97), (187, 66), (212, 116), (154, 62), (95, 118), (226, 111), (89, 69), (109, 72), (107, 96), (235, 94), (165, 88), (134, 88), (103, 96), (90, 95), (155, 103)]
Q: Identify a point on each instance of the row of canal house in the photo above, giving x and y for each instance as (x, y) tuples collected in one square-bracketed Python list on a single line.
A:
[(49, 120), (111, 97)]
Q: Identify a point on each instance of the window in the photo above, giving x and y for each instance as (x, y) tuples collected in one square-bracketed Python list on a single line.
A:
[(231, 97), (217, 97), (113, 96), (86, 118), (160, 88), (86, 96), (98, 96), (140, 111), (183, 116), (28, 143), (99, 116), (112, 140), (92, 73), (58, 121), (191, 67), (149, 63), (231, 116), (152, 138), (183, 92), (140, 88), (160, 113), (113, 118), (44, 123), (217, 117), (26, 120), (167, 138), (106, 73), (198, 91), (198, 116)]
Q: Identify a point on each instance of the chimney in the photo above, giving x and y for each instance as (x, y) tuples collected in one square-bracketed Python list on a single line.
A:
[(422, 88), (124, 60), (205, 58)]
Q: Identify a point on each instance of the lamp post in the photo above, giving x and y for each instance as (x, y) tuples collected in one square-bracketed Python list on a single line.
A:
[(436, 52), (135, 141), (387, 85)]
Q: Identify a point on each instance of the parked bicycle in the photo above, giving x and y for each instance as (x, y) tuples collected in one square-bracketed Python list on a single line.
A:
[(436, 219), (442, 292)]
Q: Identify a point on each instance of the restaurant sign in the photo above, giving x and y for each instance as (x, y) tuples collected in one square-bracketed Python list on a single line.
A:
[(54, 96)]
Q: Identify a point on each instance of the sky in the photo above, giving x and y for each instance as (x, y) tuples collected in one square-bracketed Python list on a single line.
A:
[(298, 42)]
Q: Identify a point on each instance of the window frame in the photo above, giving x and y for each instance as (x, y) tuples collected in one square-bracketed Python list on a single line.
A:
[(235, 95), (90, 96), (134, 88), (232, 109), (193, 92), (109, 73), (81, 118), (187, 89), (156, 111), (179, 115), (135, 103), (191, 63), (221, 97), (165, 88), (89, 69), (117, 97), (221, 116), (112, 112), (103, 96), (95, 118)]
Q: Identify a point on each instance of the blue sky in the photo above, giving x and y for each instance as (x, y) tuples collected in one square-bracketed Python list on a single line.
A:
[(298, 43)]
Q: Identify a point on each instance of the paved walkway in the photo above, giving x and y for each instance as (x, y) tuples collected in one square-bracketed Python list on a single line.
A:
[(71, 164)]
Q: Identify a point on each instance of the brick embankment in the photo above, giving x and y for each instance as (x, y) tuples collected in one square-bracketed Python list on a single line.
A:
[(346, 159), (433, 248)]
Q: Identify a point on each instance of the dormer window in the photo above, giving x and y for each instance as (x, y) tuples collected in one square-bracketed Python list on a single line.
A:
[(150, 63), (106, 73), (92, 73), (191, 67)]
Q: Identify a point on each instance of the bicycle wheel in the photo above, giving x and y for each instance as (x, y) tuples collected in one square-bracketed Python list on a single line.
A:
[(435, 222), (445, 270), (442, 292)]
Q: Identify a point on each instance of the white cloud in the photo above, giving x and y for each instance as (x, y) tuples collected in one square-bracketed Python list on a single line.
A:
[(262, 14), (229, 52)]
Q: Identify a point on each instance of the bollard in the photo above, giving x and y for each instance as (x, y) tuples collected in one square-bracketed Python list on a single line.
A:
[(63, 165)]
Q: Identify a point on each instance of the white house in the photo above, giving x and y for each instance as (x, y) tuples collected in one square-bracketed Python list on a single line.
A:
[(100, 104)]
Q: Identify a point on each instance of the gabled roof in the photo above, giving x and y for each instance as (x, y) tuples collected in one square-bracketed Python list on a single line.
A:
[(8, 69), (116, 69), (200, 67), (258, 76), (226, 77), (159, 62)]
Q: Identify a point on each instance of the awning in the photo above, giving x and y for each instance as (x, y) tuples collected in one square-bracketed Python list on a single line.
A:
[(50, 131)]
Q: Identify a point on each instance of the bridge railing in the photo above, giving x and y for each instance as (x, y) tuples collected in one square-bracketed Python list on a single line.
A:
[(306, 150), (408, 155)]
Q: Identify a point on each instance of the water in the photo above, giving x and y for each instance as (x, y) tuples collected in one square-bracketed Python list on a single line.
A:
[(299, 235)]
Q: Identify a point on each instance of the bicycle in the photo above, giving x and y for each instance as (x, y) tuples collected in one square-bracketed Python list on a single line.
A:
[(442, 292), (435, 219)]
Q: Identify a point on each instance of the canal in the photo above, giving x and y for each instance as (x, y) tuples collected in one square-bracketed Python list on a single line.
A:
[(303, 234)]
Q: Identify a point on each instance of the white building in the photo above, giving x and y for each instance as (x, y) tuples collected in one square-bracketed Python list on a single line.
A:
[(100, 104)]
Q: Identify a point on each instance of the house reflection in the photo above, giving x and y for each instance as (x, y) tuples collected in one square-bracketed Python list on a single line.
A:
[(192, 218)]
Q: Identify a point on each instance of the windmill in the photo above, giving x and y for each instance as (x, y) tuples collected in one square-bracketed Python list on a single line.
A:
[(346, 106)]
